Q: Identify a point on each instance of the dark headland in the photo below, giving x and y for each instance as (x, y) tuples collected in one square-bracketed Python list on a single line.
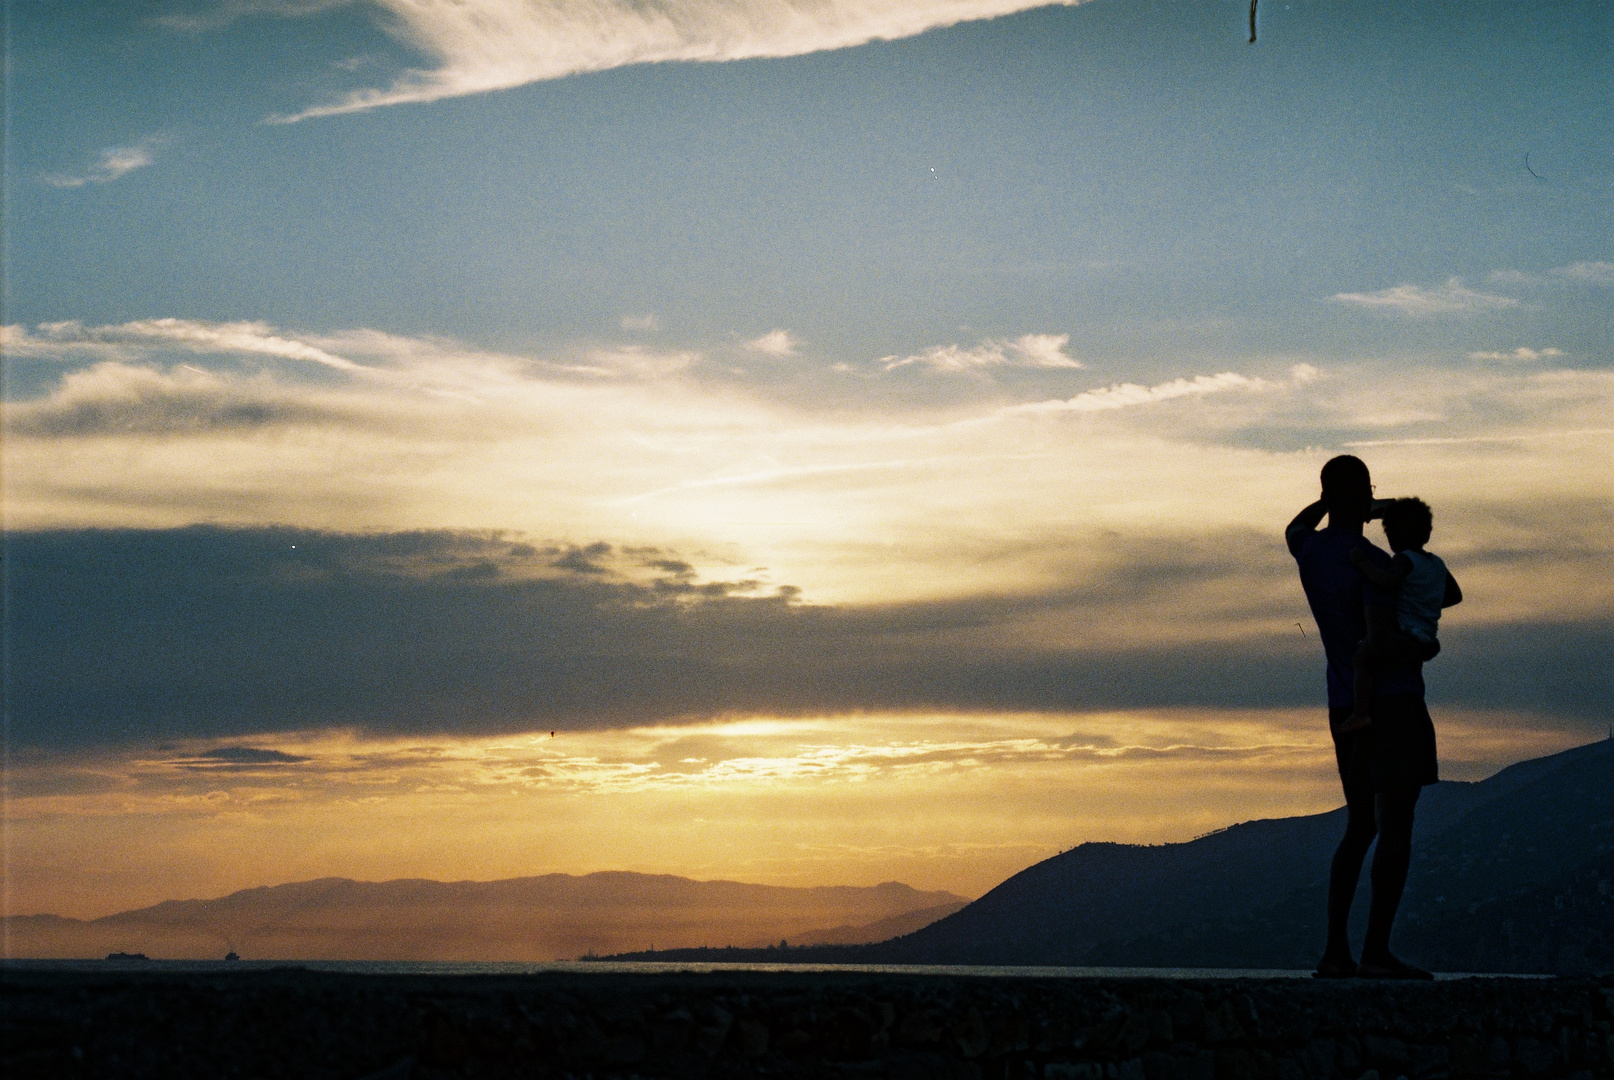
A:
[(1514, 874), (312, 1025)]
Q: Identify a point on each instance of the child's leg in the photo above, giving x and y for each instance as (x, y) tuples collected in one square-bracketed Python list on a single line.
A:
[(1360, 716)]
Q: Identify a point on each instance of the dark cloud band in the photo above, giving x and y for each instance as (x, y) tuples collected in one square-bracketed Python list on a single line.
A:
[(129, 636)]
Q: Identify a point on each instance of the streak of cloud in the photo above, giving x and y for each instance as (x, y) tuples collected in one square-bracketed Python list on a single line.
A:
[(71, 337), (1521, 353), (1591, 273), (112, 163), (1127, 395), (221, 13), (1452, 298), (1027, 350), (485, 45)]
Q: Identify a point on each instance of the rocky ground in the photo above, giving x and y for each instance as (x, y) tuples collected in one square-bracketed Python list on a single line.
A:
[(309, 1025)]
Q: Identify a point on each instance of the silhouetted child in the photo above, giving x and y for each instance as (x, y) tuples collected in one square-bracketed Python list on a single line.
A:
[(1418, 580)]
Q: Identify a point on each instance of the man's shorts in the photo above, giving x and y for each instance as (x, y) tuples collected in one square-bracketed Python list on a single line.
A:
[(1396, 751)]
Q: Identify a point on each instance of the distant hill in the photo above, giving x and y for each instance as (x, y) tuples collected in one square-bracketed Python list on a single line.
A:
[(557, 916), (1514, 873)]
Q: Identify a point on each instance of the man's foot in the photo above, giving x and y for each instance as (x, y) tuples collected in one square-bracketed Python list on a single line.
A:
[(1335, 967), (1388, 967), (1354, 722)]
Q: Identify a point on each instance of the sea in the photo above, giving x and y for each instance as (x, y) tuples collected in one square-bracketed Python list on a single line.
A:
[(607, 967)]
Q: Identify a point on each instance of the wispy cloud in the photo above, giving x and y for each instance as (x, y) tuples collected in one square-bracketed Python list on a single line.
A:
[(774, 343), (112, 163), (483, 45), (251, 338), (218, 13), (112, 399), (1521, 353), (1126, 395), (1452, 298), (1595, 273), (1027, 350), (643, 323)]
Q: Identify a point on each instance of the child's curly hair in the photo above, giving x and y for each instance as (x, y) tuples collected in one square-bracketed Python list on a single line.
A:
[(1408, 523)]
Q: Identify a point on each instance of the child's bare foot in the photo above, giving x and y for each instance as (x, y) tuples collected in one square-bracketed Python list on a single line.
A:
[(1354, 722)]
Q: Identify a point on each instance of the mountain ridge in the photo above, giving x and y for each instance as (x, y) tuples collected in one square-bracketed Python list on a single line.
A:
[(1541, 821), (1514, 873), (541, 917)]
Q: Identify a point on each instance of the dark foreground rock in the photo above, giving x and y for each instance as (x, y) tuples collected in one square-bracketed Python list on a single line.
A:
[(295, 1023)]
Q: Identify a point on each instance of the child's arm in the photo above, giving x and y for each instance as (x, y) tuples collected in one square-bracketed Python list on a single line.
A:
[(1384, 578), (1454, 592)]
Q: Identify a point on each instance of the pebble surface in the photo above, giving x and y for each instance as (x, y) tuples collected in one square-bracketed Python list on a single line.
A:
[(316, 1025)]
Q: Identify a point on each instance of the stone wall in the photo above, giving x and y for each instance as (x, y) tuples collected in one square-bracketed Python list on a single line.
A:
[(294, 1023)]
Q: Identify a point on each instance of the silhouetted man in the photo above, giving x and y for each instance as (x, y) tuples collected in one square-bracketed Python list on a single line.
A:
[(1385, 765)]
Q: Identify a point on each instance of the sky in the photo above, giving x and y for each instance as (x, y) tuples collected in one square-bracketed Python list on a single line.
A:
[(794, 441)]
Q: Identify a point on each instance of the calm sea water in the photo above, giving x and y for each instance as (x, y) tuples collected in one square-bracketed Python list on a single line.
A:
[(433, 967), (426, 967)]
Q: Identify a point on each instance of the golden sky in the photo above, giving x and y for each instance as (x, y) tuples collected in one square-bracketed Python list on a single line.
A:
[(936, 801), (865, 441)]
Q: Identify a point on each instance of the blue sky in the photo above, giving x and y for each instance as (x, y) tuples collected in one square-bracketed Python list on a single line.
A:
[(1134, 174), (885, 408)]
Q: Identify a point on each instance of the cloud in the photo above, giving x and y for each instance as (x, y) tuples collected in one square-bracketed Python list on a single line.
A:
[(113, 163), (644, 323), (1127, 395), (1452, 298), (69, 338), (224, 12), (774, 343), (1027, 350), (236, 759), (484, 45), (961, 487), (1592, 273), (1521, 353), (112, 399), (132, 636), (639, 362)]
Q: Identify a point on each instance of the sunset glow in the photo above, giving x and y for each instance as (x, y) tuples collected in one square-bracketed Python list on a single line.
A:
[(801, 444)]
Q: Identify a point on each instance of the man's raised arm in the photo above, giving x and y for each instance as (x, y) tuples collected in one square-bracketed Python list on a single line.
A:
[(1304, 524)]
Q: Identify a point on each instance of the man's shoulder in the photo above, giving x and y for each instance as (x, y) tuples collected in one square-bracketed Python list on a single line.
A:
[(1330, 545)]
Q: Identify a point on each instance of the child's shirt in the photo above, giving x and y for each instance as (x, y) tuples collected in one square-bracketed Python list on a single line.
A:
[(1423, 588)]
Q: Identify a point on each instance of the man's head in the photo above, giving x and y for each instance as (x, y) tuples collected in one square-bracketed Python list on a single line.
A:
[(1407, 524), (1347, 490)]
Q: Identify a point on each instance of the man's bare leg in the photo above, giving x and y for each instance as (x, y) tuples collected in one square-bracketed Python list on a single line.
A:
[(1360, 827), (1394, 813)]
